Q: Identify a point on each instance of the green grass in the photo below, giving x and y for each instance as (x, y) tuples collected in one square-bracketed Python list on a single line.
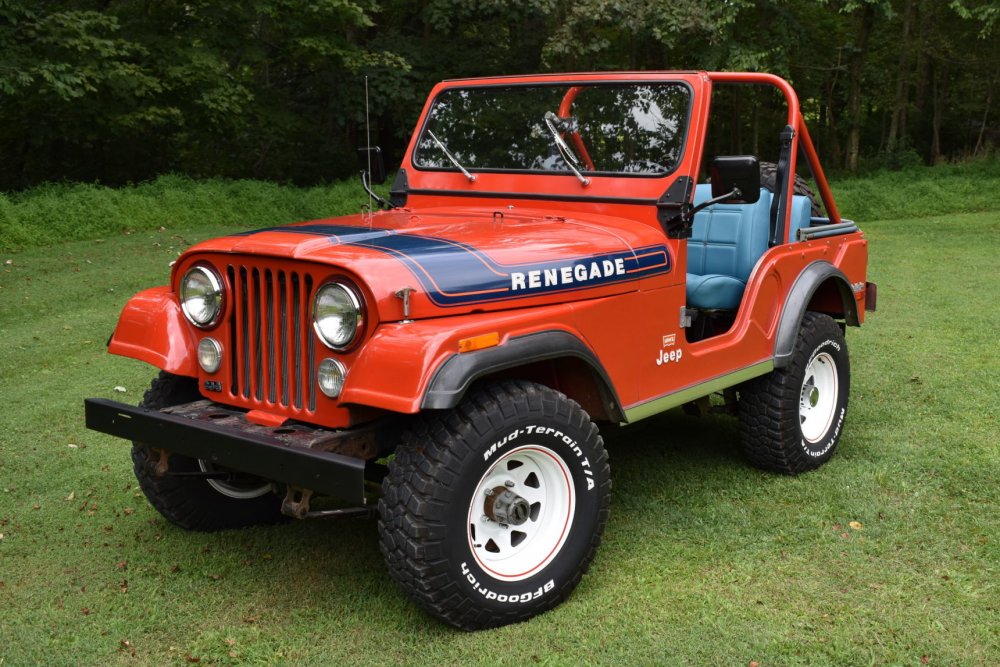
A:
[(919, 192), (705, 561), (56, 213)]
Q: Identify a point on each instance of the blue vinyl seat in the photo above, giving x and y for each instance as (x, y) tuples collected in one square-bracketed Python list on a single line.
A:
[(801, 216), (725, 244)]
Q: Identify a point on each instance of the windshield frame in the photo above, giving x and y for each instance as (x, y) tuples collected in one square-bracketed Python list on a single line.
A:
[(567, 84)]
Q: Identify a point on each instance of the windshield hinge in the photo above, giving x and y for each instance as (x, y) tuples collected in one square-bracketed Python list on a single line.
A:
[(673, 206)]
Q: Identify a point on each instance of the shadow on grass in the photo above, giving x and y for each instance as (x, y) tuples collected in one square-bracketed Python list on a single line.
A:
[(333, 569), (697, 455)]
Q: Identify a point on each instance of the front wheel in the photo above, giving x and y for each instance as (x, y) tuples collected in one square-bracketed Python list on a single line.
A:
[(492, 512), (791, 419), (187, 496)]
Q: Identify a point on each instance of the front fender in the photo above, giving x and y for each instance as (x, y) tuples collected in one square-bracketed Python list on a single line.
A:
[(411, 366), (152, 328), (457, 373)]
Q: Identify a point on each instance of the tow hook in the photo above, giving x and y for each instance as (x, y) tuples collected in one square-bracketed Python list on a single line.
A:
[(296, 505), (162, 456), (158, 465), (296, 502)]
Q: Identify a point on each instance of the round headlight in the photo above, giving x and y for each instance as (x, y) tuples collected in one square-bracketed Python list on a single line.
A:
[(209, 355), (336, 315), (330, 377), (201, 296)]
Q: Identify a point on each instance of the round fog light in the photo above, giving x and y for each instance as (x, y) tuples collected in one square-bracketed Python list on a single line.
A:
[(330, 377), (209, 355)]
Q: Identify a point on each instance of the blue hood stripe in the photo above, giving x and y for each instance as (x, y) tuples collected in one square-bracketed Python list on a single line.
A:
[(456, 274)]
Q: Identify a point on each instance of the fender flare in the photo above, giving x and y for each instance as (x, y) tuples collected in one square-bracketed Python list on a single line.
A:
[(151, 328), (454, 377), (797, 301)]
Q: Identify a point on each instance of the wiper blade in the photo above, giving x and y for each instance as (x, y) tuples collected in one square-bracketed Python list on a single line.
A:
[(452, 158), (568, 156)]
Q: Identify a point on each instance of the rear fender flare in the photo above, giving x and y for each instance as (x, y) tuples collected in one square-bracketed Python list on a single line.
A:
[(799, 296), (454, 377)]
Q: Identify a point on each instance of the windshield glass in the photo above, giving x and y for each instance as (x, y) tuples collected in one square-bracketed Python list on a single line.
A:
[(635, 129)]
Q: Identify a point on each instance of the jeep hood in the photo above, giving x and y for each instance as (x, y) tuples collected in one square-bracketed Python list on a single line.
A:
[(457, 261)]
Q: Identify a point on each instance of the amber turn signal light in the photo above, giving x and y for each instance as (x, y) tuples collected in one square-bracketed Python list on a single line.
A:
[(479, 342)]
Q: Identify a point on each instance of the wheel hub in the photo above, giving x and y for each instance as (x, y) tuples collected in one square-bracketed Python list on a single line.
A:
[(506, 507), (520, 512), (818, 400)]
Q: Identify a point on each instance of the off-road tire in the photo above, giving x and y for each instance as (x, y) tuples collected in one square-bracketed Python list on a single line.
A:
[(187, 502), (429, 512), (769, 181), (786, 426)]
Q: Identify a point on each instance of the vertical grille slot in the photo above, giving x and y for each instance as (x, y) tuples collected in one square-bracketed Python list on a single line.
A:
[(297, 341), (258, 339), (283, 332), (272, 364), (309, 341), (272, 348), (241, 309), (234, 382)]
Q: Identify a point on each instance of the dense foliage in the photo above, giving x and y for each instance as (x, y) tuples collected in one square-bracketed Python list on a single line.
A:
[(119, 91)]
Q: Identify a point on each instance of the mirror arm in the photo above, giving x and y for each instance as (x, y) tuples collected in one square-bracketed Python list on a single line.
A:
[(736, 193), (687, 215), (364, 183)]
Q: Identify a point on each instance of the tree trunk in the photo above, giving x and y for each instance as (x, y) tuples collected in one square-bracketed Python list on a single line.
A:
[(856, 71), (935, 115), (897, 125), (736, 130), (986, 116), (832, 139)]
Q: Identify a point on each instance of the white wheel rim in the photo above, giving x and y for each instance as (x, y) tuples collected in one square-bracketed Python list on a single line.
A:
[(540, 477), (818, 399), (229, 490)]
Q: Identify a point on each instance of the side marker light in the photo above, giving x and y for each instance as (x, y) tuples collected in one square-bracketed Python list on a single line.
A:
[(479, 342)]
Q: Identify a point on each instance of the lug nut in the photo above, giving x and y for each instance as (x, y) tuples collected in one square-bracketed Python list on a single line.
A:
[(509, 484)]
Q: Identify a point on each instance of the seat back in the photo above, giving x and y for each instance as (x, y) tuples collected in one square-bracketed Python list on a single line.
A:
[(728, 239), (801, 216)]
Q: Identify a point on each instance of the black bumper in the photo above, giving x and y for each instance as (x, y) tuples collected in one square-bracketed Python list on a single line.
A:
[(234, 443)]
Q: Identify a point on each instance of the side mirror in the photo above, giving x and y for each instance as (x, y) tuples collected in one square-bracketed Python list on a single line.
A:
[(370, 161), (736, 172)]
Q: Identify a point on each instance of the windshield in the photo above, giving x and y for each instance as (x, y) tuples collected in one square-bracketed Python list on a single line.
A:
[(635, 129)]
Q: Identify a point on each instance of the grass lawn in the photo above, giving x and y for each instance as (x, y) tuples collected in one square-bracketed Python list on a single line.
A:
[(890, 554)]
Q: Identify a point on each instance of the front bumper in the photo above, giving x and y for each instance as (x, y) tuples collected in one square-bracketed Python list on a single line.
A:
[(292, 455)]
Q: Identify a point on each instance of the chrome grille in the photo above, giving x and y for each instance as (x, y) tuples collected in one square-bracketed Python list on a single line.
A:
[(272, 347)]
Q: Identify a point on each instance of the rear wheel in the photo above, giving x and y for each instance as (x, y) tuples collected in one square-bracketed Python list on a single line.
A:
[(197, 502), (792, 418), (491, 513)]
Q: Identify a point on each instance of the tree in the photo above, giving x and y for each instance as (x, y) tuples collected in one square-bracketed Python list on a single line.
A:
[(117, 90)]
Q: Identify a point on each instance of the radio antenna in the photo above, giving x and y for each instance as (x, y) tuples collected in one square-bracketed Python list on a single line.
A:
[(368, 145)]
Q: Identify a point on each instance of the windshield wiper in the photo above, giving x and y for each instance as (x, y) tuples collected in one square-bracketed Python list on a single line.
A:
[(454, 160), (568, 156)]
